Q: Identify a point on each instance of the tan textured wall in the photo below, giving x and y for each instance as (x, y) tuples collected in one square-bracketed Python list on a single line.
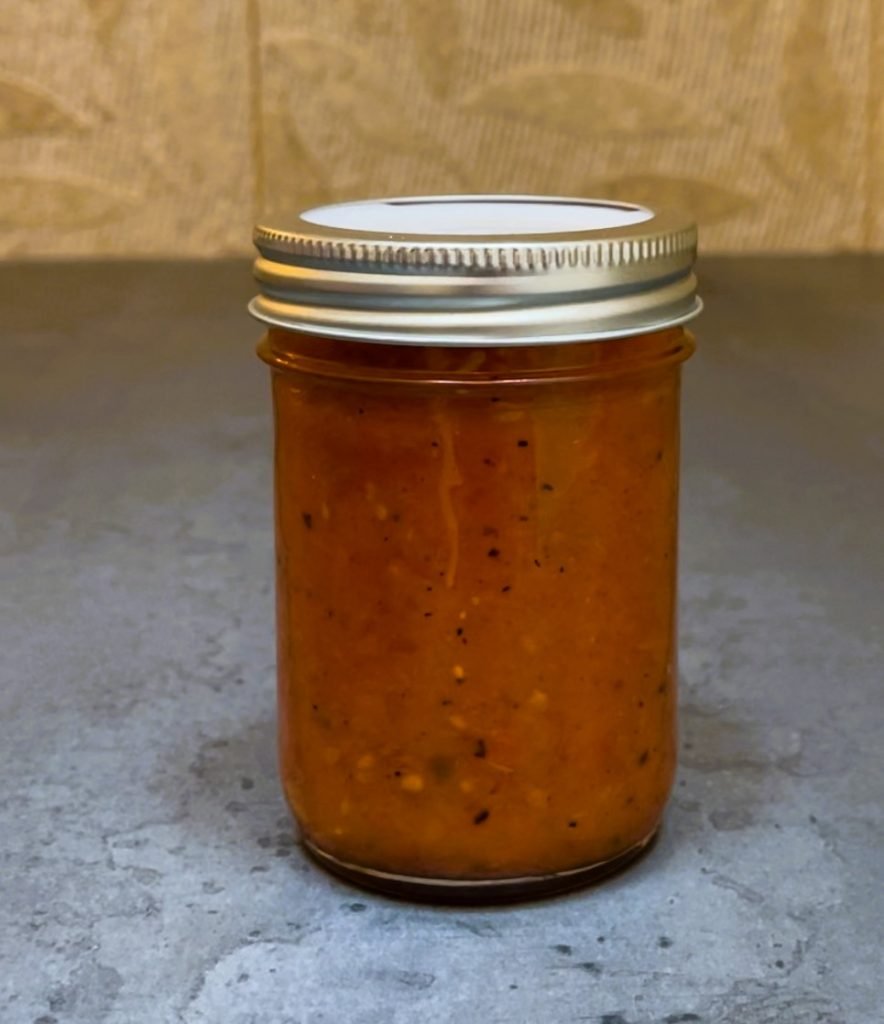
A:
[(165, 126)]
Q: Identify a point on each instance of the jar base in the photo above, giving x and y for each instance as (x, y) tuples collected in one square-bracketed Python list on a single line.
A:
[(477, 891)]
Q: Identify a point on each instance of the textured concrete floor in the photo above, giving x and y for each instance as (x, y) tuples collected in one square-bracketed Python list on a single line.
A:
[(148, 868)]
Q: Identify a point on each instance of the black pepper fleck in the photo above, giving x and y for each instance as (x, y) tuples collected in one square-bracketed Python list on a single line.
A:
[(493, 553), (563, 948), (479, 750), (537, 562), (308, 520), (547, 487), (664, 942), (779, 963), (361, 412), (522, 443), (459, 631), (488, 462), (643, 757), (428, 615), (483, 815), (572, 824), (506, 589), (523, 519), (561, 568), (434, 444)]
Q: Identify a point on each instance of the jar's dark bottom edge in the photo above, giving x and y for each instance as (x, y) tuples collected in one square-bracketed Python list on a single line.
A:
[(477, 892)]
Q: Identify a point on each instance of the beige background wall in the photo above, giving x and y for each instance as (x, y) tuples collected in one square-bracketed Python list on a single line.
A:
[(167, 126)]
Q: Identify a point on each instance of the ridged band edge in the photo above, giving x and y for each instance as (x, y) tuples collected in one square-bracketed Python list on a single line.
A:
[(519, 258)]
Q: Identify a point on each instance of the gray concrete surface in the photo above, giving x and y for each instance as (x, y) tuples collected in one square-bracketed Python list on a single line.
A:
[(148, 868)]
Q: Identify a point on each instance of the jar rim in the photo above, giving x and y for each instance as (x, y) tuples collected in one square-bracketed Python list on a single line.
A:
[(344, 370)]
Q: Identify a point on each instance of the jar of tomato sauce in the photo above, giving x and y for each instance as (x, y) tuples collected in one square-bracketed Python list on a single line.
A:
[(476, 406)]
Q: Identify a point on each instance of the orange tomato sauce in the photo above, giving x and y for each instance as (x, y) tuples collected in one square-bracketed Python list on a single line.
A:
[(476, 599)]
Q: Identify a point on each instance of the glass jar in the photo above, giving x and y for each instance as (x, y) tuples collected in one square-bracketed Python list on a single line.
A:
[(476, 509)]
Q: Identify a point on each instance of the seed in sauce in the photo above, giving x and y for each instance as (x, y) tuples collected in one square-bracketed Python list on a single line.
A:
[(412, 783), (538, 700)]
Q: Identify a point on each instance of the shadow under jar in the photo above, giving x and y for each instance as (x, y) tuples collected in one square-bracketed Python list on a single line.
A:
[(477, 406)]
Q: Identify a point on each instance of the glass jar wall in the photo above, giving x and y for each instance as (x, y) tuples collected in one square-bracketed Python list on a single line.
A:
[(476, 552)]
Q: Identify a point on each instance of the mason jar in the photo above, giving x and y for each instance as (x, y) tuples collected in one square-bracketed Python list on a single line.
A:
[(476, 487)]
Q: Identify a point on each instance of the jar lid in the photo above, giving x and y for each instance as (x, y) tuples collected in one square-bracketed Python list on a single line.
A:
[(484, 269)]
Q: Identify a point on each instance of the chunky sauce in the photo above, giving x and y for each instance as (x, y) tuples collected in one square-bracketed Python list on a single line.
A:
[(476, 599)]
